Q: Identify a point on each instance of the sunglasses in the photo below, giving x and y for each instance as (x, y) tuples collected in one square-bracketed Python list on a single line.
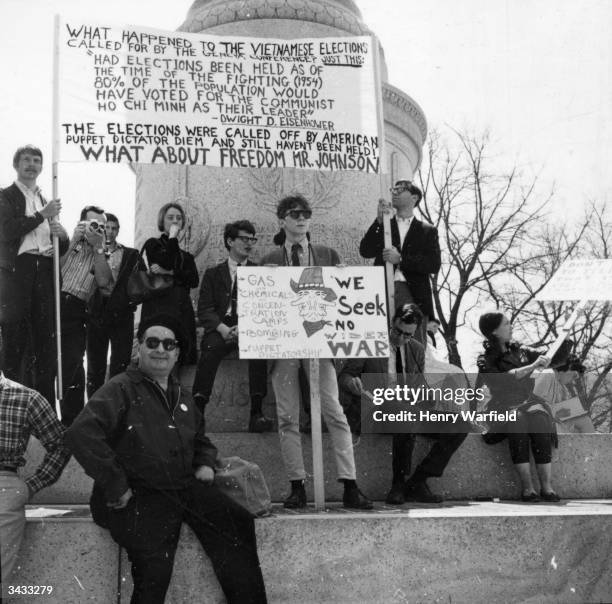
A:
[(297, 214), (247, 239), (167, 343)]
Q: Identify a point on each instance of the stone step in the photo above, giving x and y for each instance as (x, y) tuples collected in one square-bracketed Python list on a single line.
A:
[(581, 468), (459, 552)]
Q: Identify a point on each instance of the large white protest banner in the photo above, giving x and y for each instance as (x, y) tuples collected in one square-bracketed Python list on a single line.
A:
[(133, 94), (312, 312), (580, 279)]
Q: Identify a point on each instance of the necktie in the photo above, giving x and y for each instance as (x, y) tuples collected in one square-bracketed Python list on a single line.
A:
[(296, 248), (399, 368)]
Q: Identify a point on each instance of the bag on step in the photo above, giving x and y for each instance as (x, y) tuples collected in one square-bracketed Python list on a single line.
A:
[(244, 482)]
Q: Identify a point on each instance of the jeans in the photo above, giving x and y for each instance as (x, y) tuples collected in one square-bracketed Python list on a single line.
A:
[(286, 386)]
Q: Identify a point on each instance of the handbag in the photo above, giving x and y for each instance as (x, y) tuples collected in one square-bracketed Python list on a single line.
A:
[(142, 286), (243, 481)]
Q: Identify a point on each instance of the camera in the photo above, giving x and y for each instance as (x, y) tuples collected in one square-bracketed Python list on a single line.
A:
[(93, 226)]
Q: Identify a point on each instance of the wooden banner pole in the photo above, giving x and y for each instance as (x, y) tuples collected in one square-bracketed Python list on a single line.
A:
[(383, 180), (54, 185), (317, 439)]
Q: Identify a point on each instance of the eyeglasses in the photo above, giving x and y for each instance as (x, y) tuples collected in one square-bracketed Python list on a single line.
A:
[(401, 332), (167, 343), (397, 189), (297, 214), (246, 239)]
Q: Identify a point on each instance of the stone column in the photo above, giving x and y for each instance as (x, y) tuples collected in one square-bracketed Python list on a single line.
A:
[(344, 202)]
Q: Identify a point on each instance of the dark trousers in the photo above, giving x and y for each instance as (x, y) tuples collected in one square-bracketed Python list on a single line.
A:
[(404, 296), (29, 354), (433, 463), (120, 336), (149, 527), (74, 322), (531, 429), (214, 350)]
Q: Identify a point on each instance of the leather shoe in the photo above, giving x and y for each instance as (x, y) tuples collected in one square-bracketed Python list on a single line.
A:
[(396, 495), (419, 491), (260, 423), (355, 499), (531, 498), (296, 499), (550, 496)]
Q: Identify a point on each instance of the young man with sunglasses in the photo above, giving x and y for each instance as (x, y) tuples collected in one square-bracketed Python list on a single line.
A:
[(408, 358), (143, 442), (295, 249), (414, 251), (218, 313)]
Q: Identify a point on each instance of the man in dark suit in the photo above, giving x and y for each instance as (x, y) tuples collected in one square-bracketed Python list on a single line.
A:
[(218, 313), (408, 358), (27, 224), (111, 314), (414, 251)]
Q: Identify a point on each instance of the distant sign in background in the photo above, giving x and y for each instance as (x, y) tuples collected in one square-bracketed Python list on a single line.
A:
[(134, 94), (312, 312), (580, 279)]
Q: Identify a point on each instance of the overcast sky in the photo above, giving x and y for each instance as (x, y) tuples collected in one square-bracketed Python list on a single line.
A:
[(537, 73)]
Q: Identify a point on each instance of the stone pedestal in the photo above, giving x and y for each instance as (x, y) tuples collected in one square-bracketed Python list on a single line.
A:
[(344, 202)]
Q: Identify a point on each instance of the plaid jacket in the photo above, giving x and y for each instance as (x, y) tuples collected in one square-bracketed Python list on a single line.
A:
[(24, 412)]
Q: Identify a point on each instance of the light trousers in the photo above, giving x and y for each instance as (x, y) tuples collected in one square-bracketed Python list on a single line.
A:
[(285, 383), (13, 497)]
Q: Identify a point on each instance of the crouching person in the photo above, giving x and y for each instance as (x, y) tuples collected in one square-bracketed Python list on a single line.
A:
[(144, 446)]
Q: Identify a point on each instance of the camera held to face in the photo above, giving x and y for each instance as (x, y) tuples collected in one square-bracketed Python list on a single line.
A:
[(94, 226)]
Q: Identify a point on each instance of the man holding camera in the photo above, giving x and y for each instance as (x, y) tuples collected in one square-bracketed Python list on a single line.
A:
[(111, 314), (27, 223), (84, 269)]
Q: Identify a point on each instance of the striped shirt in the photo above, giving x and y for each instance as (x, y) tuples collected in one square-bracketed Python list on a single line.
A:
[(24, 412), (77, 271)]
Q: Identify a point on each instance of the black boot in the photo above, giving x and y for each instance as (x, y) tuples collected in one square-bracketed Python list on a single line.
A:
[(417, 490), (353, 498), (396, 495), (297, 497)]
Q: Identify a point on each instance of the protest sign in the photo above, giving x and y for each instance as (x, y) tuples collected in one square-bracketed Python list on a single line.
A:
[(312, 312), (133, 94), (580, 279)]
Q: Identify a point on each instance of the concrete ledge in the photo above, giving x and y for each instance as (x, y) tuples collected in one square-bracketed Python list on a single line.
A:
[(517, 554), (460, 552), (73, 555), (581, 468)]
